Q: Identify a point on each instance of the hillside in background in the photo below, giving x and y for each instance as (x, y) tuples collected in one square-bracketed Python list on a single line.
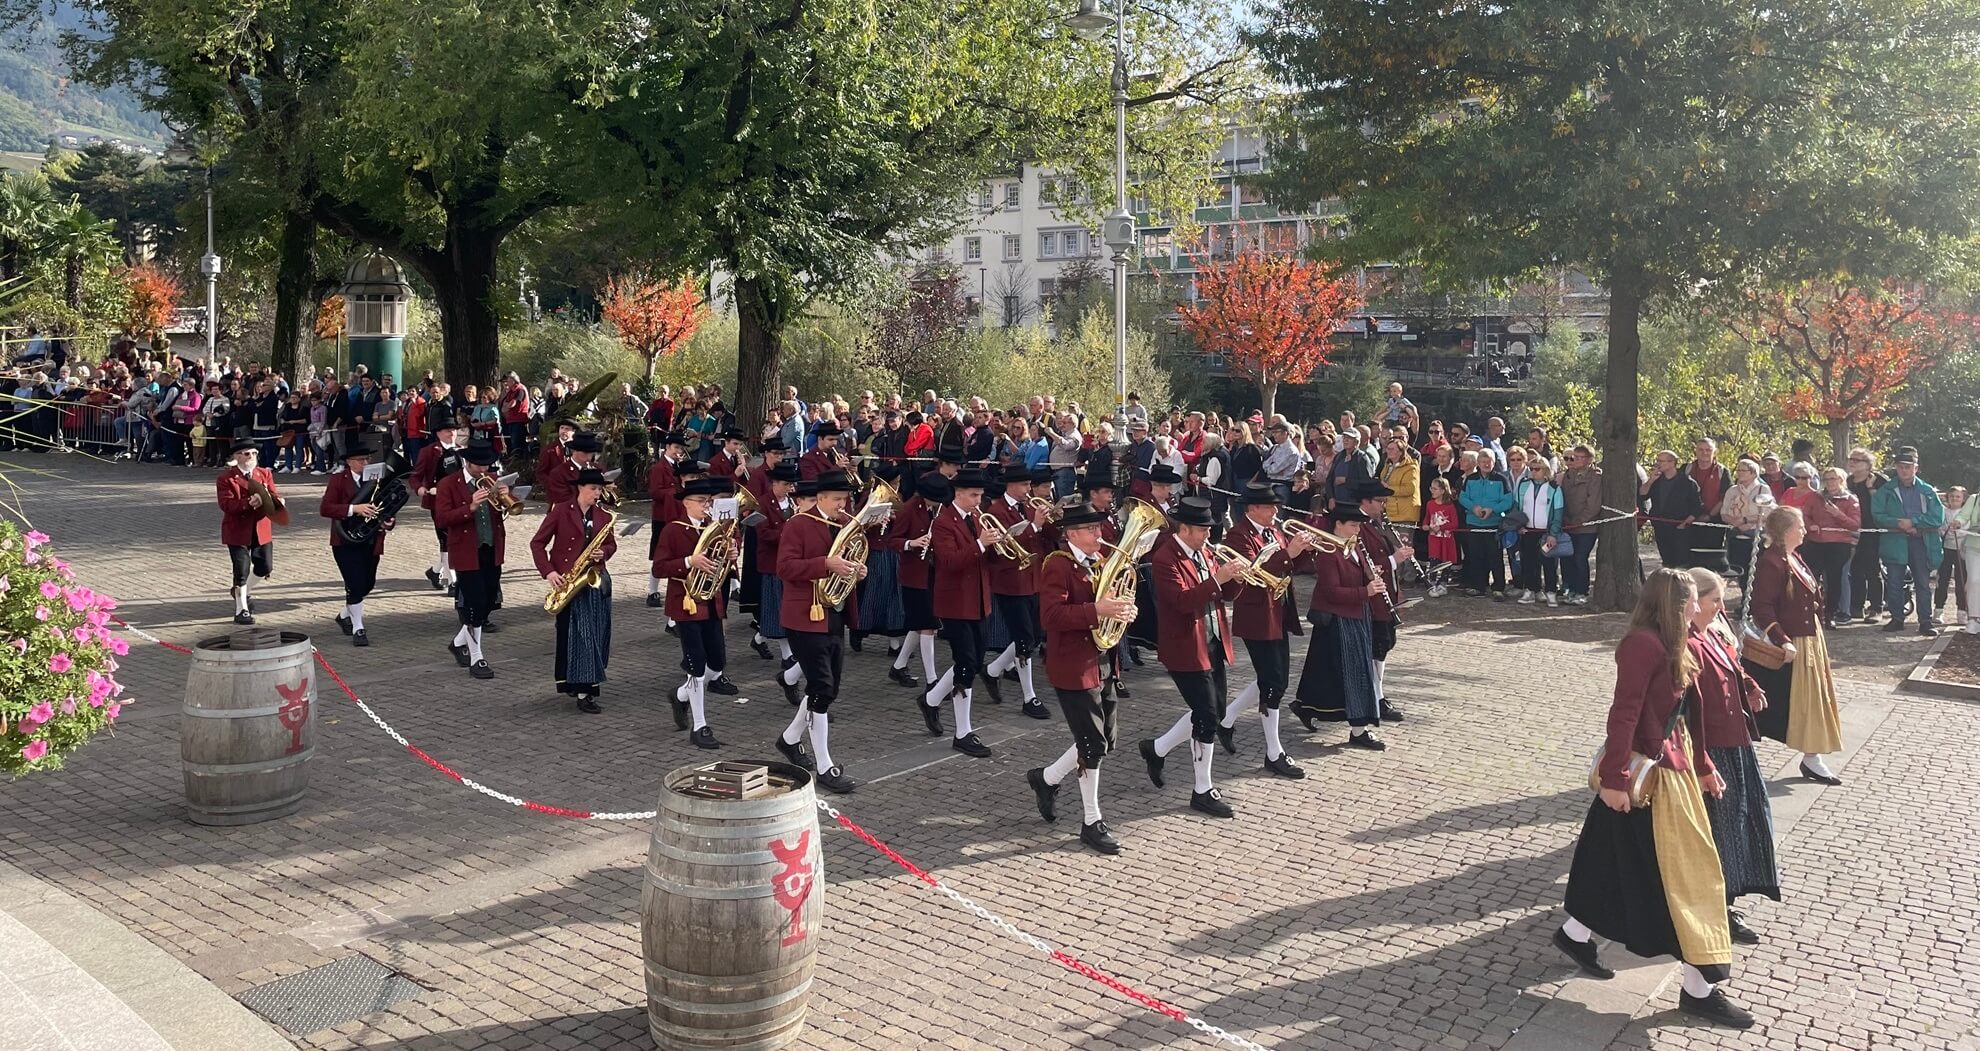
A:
[(39, 101)]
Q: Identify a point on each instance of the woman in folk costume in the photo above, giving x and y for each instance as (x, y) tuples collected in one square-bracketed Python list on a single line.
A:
[(1786, 605), (1742, 819), (1645, 871), (584, 625)]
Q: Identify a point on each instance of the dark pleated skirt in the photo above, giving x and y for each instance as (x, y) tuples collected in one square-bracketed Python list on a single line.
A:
[(880, 609), (1776, 684), (1743, 825), (996, 634), (918, 610), (770, 599), (584, 639), (1616, 888), (1338, 682)]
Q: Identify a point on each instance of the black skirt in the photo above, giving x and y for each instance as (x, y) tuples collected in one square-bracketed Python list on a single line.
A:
[(1776, 684), (1616, 888), (918, 609)]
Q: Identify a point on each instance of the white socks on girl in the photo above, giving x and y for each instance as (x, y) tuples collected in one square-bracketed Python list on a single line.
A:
[(926, 644), (1247, 699), (355, 611), (939, 692), (963, 727), (1199, 762), (901, 655)]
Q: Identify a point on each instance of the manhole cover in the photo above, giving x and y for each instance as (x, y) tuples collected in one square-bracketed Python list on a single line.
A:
[(329, 995)]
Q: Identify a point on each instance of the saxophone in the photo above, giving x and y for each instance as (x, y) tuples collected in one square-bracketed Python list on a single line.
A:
[(584, 572)]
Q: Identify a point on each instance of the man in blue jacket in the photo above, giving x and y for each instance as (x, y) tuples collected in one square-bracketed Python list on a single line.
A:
[(1485, 498), (1908, 506)]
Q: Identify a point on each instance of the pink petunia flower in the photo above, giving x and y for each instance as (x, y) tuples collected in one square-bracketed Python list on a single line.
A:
[(118, 646), (32, 558), (69, 705), (34, 750), (38, 714), (5, 584), (60, 664), (41, 613), (113, 711), (50, 589), (35, 538), (19, 645)]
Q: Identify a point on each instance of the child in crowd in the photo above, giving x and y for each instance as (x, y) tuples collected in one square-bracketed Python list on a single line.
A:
[(1440, 521), (1952, 571)]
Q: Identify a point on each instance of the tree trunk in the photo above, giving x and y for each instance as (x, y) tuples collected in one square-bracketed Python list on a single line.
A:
[(294, 279), (1839, 440), (72, 277), (1618, 566), (759, 354), (652, 363), (1268, 394), (464, 292)]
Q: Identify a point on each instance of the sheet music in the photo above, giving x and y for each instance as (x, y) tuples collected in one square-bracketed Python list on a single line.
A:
[(372, 472), (724, 509), (507, 479), (521, 492), (875, 512)]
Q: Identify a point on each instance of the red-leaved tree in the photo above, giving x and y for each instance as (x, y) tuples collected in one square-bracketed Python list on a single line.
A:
[(150, 294), (1269, 313), (1852, 350), (653, 316)]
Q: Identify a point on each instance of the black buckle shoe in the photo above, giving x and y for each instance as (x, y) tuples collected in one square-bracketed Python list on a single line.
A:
[(721, 684), (1047, 794), (654, 601), (460, 654), (992, 687), (433, 579), (902, 677), (1211, 803), (1154, 761), (931, 714), (1227, 736), (1283, 766), (588, 706), (791, 693), (359, 638), (1584, 955), (1741, 933), (836, 781), (1036, 709), (1099, 838), (343, 624), (1366, 741), (453, 590), (481, 670), (795, 753), (971, 746), (704, 738), (1389, 712), (244, 618), (1134, 656), (1305, 717), (671, 630), (762, 650), (1714, 1007)]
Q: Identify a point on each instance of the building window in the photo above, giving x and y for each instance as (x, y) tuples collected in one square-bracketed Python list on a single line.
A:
[(1048, 192), (1249, 194), (1048, 291), (984, 200), (1048, 245), (1013, 309), (1093, 243), (1013, 247), (973, 249), (1013, 195), (1072, 243), (1158, 245)]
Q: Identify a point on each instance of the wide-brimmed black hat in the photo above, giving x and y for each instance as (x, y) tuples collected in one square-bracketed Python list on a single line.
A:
[(836, 482), (566, 421), (586, 442), (827, 429), (805, 487), (481, 454), (784, 472), (1193, 511), (244, 443), (1040, 474), (1081, 515), (674, 438), (590, 476), (1369, 489), (1258, 493), (732, 434), (446, 424), (1163, 474), (356, 445), (969, 478), (772, 444), (949, 456), (710, 486), (1089, 483), (933, 487), (690, 466), (1346, 513)]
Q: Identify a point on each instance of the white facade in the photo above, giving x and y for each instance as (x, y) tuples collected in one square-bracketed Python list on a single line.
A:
[(1016, 242)]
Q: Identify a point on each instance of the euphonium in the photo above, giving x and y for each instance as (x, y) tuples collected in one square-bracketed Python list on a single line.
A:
[(849, 544), (720, 545), (584, 572), (1000, 538), (1255, 573), (1116, 576)]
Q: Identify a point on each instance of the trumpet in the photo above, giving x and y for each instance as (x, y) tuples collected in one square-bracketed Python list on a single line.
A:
[(1317, 538), (504, 501), (1000, 538), (1052, 510), (1255, 573)]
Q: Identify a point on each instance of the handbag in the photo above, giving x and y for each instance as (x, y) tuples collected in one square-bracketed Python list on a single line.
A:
[(1562, 545), (1755, 646), (1640, 767)]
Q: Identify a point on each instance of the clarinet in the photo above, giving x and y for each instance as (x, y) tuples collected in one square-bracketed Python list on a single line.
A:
[(1376, 572)]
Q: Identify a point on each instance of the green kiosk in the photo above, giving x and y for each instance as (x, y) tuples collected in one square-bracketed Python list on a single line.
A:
[(375, 316)]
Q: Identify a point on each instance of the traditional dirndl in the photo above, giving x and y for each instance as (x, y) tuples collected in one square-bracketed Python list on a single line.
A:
[(1644, 877), (1743, 825), (584, 639), (1338, 682), (770, 601), (880, 611), (1381, 637), (1801, 699)]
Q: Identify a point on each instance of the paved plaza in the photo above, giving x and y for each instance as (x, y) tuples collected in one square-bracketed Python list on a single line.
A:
[(1397, 900)]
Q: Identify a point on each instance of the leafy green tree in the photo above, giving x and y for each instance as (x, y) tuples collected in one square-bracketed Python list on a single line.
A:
[(1662, 146), (118, 185)]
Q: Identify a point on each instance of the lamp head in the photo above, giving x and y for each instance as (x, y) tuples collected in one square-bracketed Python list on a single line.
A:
[(1089, 21)]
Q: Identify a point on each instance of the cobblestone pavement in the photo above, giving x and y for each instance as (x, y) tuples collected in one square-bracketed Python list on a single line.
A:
[(1394, 900)]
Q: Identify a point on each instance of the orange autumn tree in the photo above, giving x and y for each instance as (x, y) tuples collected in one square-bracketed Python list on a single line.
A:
[(150, 294), (1852, 350), (1269, 313), (329, 321), (653, 316)]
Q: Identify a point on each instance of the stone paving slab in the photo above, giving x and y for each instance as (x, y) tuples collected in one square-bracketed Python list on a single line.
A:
[(1400, 900)]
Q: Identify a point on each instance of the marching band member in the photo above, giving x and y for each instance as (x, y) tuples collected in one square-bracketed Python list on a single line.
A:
[(825, 456), (816, 629), (749, 596), (1014, 587), (962, 601), (661, 481), (475, 541), (584, 625), (1194, 644), (246, 527), (558, 477), (1162, 482), (776, 510), (436, 462), (915, 521), (357, 564), (729, 457), (949, 463), (554, 456), (1339, 679), (1099, 489), (879, 595), (1070, 612), (1263, 622), (1382, 613), (697, 624)]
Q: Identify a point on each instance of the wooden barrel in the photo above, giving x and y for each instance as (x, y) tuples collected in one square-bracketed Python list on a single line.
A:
[(735, 891), (248, 727)]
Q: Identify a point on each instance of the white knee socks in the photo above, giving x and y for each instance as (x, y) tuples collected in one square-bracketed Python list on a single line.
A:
[(1002, 662), (963, 727), (1173, 736), (939, 692), (1200, 755), (1062, 767), (1024, 680), (474, 644), (697, 698), (926, 644), (1273, 749), (240, 599), (1089, 795), (1247, 699), (901, 655), (793, 673), (461, 636), (1576, 930), (1380, 667), (821, 745), (355, 611), (784, 649), (1694, 981), (652, 585), (794, 732)]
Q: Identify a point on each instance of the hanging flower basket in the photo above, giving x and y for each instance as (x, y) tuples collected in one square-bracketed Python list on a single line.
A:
[(58, 656)]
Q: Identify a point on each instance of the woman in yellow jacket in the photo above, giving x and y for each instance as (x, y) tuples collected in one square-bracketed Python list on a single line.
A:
[(1399, 472)]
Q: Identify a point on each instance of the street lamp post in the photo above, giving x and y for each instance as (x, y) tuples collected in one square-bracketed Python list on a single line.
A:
[(1117, 230), (181, 158)]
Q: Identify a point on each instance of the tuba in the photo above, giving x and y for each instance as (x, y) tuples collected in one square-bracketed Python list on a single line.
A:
[(389, 493), (1116, 579), (584, 572), (849, 544), (720, 543)]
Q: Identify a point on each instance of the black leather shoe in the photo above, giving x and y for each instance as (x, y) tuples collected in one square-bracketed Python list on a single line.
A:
[(481, 670), (343, 624), (1154, 761), (453, 590), (1928, 632), (1741, 933), (762, 650), (791, 693), (460, 654), (1389, 712), (359, 638), (1367, 741), (1714, 1007), (588, 706), (1305, 716), (704, 738), (795, 753), (857, 641), (655, 601), (433, 579), (1036, 709), (721, 684), (1010, 674), (1121, 690), (1584, 955), (1211, 803), (1895, 625), (243, 618), (490, 628), (1048, 795), (1283, 766), (1227, 736), (971, 746), (672, 631), (992, 687), (1813, 776), (1134, 656), (932, 715), (902, 677), (1099, 838), (680, 715), (836, 781)]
